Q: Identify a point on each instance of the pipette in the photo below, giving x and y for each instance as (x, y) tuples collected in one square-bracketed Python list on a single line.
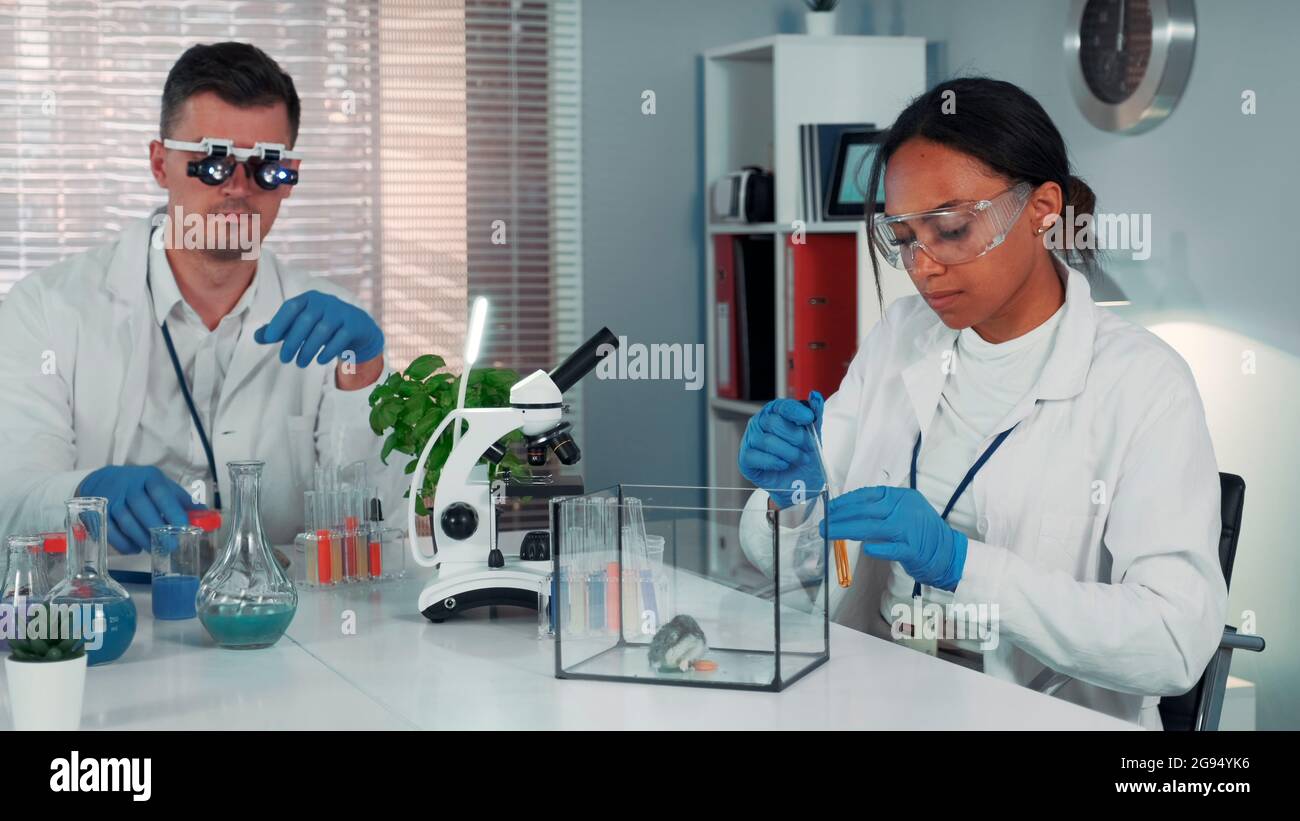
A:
[(843, 570)]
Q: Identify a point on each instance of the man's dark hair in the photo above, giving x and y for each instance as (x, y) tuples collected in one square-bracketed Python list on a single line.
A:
[(239, 73)]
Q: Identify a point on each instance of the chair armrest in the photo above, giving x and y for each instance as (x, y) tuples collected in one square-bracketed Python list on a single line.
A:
[(1233, 640)]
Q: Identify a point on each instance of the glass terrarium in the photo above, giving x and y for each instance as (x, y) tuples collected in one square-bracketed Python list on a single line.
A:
[(688, 586)]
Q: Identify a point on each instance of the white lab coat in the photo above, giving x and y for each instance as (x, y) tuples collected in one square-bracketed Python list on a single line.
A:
[(77, 338), (1098, 518)]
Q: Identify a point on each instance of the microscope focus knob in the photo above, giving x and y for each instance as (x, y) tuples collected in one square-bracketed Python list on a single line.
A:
[(459, 520)]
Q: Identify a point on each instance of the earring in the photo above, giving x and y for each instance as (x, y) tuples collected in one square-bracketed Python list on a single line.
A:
[(1041, 230)]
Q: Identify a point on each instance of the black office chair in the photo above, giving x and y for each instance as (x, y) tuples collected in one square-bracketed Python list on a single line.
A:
[(1199, 707)]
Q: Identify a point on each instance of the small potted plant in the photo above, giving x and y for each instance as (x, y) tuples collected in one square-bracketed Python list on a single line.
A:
[(820, 17), (47, 678), (410, 405)]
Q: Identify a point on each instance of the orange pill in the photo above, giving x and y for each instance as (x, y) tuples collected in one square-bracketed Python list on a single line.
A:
[(705, 666)]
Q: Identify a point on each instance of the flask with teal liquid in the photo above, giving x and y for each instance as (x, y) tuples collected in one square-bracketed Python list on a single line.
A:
[(245, 600)]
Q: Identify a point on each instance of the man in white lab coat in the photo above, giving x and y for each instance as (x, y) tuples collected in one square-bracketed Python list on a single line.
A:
[(106, 351)]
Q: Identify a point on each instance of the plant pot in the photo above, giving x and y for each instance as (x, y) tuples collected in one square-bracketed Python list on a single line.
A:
[(46, 695), (820, 23)]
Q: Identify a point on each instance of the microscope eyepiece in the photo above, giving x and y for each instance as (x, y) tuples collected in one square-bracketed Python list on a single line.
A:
[(582, 361)]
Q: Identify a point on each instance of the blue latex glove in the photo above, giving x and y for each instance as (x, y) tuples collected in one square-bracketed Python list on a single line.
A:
[(777, 451), (315, 322), (899, 524), (139, 497)]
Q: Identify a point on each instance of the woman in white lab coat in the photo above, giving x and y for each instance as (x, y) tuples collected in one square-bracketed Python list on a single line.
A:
[(1022, 457)]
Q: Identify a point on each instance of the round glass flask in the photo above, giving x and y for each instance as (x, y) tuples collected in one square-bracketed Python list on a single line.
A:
[(106, 611)]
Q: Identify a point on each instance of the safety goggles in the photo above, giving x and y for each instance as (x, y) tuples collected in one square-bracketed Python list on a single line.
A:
[(952, 235), (261, 162)]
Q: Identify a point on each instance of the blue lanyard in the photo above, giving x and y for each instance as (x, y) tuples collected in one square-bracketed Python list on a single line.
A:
[(194, 416), (970, 474), (189, 401)]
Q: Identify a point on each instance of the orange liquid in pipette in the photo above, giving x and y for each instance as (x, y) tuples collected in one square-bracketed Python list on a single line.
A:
[(843, 570)]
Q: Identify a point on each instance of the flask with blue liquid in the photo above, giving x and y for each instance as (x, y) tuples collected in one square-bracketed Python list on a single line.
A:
[(107, 613)]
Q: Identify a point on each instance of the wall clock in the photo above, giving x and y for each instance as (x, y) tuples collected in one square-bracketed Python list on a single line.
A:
[(1128, 60)]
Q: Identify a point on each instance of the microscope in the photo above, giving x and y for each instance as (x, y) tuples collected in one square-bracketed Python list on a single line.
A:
[(471, 569)]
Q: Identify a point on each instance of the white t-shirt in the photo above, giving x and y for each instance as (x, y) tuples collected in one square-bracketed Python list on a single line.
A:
[(984, 382), (167, 437)]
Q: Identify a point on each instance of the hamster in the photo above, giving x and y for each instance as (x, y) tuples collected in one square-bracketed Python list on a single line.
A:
[(677, 644)]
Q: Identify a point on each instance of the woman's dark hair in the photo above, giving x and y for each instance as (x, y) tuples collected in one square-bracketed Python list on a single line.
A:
[(998, 124), (239, 73)]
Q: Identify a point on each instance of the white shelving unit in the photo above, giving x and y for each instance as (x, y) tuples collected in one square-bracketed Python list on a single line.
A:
[(756, 95)]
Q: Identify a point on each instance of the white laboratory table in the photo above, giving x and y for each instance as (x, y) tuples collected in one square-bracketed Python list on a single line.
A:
[(173, 677), (487, 669)]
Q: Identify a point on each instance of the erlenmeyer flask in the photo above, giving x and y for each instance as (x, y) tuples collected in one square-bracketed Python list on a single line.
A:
[(25, 572), (104, 603), (24, 577), (245, 600)]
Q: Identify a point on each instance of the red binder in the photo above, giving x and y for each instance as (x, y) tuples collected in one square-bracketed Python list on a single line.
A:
[(822, 289), (726, 344)]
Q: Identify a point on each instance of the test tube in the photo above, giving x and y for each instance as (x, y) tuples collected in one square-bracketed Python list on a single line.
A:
[(595, 572), (394, 553), (349, 522), (628, 587), (657, 584), (563, 550), (360, 507), (333, 533), (306, 542), (636, 568), (375, 538), (611, 579), (843, 570), (546, 607), (578, 585), (314, 504)]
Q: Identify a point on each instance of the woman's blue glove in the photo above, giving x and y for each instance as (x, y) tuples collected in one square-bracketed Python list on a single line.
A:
[(139, 497), (313, 321), (899, 524), (776, 450)]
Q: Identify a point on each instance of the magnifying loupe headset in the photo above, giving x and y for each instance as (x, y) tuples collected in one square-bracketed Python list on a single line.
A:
[(262, 162)]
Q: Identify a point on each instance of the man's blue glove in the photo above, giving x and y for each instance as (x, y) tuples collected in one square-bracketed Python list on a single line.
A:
[(899, 524), (777, 451), (139, 497), (313, 321)]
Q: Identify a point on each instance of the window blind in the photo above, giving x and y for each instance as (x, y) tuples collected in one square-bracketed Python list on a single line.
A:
[(80, 84), (442, 141), (424, 121)]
